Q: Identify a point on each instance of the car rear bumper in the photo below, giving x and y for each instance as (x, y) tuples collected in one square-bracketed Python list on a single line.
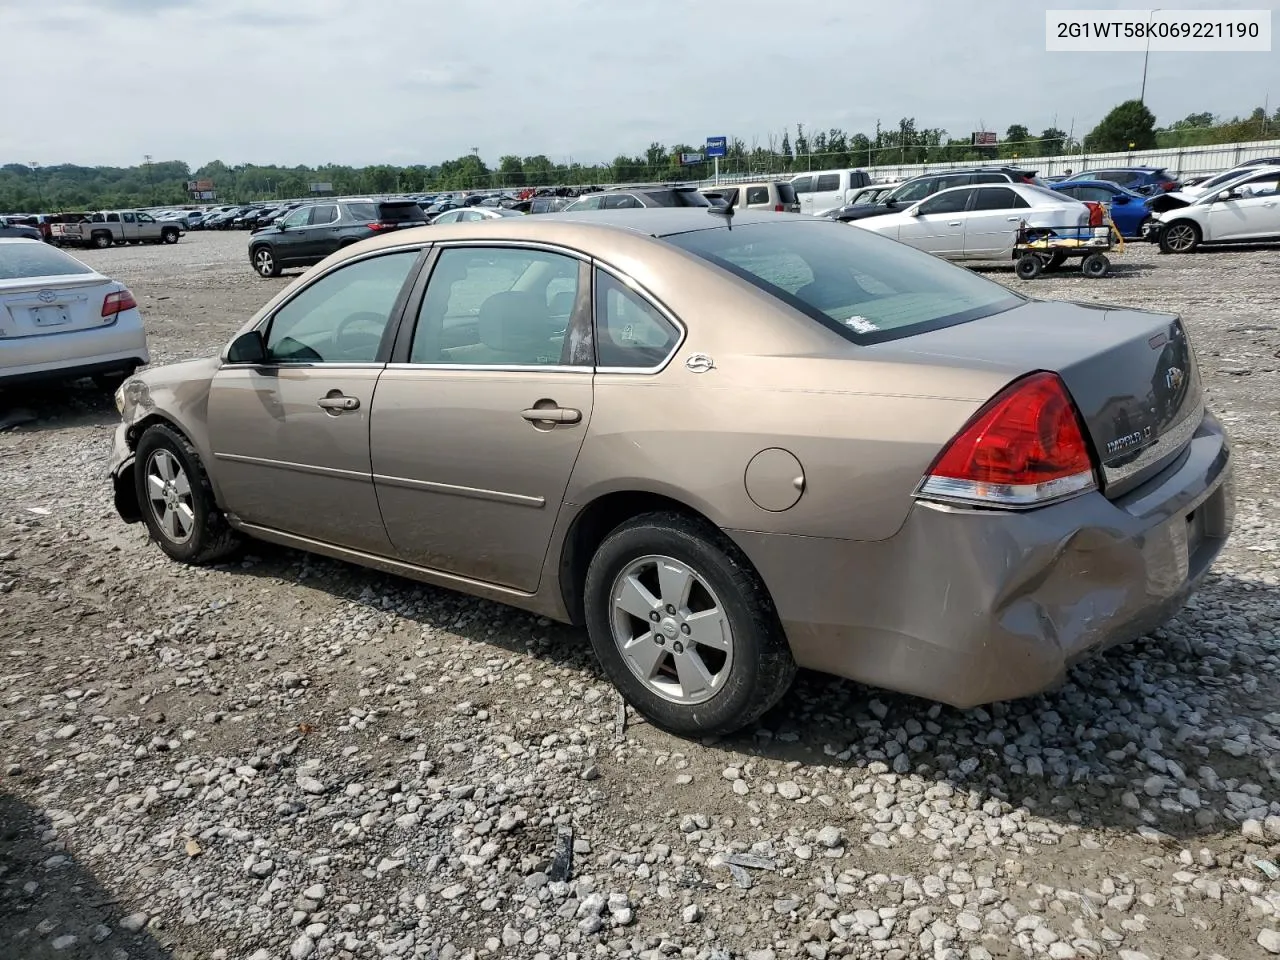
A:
[(973, 606), (76, 353)]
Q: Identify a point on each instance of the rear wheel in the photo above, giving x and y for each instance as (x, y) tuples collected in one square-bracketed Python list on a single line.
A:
[(1029, 266), (102, 240), (684, 627), (177, 499), (1095, 266), (265, 262), (1181, 236)]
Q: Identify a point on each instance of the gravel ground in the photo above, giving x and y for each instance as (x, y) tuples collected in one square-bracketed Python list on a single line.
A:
[(291, 758)]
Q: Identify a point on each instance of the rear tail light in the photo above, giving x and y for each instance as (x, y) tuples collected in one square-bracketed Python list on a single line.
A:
[(1097, 215), (1168, 185), (383, 226), (779, 208), (1024, 448), (118, 302)]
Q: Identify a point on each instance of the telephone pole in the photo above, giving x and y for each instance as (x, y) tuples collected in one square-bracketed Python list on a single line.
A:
[(151, 185)]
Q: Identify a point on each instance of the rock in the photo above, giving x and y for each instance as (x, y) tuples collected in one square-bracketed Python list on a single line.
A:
[(133, 922), (453, 891), (1269, 940), (302, 948), (66, 941), (789, 790), (830, 837), (311, 785), (691, 914)]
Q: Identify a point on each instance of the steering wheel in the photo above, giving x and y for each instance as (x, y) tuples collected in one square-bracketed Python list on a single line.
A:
[(360, 342)]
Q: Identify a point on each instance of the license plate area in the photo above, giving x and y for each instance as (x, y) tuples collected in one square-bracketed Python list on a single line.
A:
[(52, 316)]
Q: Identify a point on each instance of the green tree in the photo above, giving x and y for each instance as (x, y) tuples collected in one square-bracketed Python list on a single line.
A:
[(1128, 126), (1016, 142), (511, 171), (1053, 142)]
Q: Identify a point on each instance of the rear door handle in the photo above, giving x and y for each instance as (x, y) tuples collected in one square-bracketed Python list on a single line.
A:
[(551, 415), (339, 403)]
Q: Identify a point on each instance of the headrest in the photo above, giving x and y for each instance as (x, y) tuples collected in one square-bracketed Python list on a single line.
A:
[(562, 303), (514, 321)]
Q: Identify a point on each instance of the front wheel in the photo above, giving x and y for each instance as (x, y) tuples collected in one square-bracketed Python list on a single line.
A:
[(169, 236), (1181, 236), (176, 498), (684, 627), (265, 262)]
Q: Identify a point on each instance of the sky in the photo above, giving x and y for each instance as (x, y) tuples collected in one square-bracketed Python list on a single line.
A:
[(421, 81)]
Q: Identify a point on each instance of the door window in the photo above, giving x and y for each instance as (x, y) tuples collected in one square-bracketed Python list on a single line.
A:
[(496, 307), (619, 201), (1265, 186), (915, 190), (954, 180), (299, 218), (1094, 194), (757, 195), (802, 185), (952, 202), (827, 183), (341, 317), (129, 218), (146, 218), (998, 198), (630, 332), (990, 178), (113, 218), (324, 214), (586, 203)]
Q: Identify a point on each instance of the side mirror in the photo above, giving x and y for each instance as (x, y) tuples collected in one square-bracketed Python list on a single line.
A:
[(913, 212), (248, 348), (1227, 195), (1119, 199)]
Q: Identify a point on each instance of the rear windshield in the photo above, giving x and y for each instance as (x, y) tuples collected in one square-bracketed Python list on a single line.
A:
[(400, 212), (786, 193), (31, 258), (865, 287)]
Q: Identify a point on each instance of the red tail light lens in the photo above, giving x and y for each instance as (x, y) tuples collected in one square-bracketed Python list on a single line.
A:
[(1096, 213), (1024, 448), (118, 302), (380, 226), (778, 208)]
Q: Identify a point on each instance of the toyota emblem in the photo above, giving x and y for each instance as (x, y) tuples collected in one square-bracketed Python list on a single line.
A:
[(46, 296)]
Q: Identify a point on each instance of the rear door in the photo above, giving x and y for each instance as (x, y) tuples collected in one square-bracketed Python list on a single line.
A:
[(803, 187), (939, 228), (991, 223)]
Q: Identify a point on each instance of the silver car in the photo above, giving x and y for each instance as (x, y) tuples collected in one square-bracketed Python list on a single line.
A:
[(60, 318)]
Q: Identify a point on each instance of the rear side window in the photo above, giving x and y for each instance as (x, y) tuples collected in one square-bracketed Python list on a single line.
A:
[(19, 261), (323, 213), (786, 193), (757, 194), (998, 198), (990, 178), (619, 201), (400, 213), (630, 331), (865, 287), (827, 182), (362, 211)]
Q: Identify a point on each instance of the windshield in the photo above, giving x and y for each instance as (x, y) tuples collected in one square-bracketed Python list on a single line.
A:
[(865, 287), (19, 261), (911, 191)]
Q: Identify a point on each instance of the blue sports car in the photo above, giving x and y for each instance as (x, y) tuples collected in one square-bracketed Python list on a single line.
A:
[(1128, 209)]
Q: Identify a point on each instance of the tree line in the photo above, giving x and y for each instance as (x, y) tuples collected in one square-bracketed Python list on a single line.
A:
[(1129, 126)]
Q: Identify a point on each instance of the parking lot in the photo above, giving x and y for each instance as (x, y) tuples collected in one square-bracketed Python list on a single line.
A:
[(292, 757)]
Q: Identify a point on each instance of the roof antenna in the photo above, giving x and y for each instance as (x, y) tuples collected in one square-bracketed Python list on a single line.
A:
[(726, 211)]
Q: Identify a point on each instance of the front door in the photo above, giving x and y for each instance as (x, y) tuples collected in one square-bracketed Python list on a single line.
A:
[(319, 237), (803, 186), (991, 225), (290, 437), (291, 240), (939, 227), (474, 436), (129, 225), (1252, 215), (148, 228)]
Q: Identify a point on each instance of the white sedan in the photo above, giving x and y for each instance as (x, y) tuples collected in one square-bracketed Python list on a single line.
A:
[(981, 222), (1246, 208), (62, 319)]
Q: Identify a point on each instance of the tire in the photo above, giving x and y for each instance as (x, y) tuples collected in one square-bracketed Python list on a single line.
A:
[(1095, 266), (102, 240), (264, 261), (752, 670), (1181, 236), (1055, 260), (169, 236), (1029, 266), (198, 534)]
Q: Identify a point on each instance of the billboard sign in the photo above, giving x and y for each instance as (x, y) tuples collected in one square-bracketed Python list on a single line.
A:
[(690, 158), (322, 188), (984, 138), (717, 146)]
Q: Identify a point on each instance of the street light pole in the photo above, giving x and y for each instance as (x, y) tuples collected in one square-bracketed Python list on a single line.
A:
[(35, 179), (1142, 97)]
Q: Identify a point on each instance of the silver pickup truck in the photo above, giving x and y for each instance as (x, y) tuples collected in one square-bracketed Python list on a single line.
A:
[(106, 227)]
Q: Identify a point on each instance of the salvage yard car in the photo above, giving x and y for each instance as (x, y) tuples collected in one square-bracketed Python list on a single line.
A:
[(310, 233), (1244, 209), (106, 227), (727, 452), (62, 319)]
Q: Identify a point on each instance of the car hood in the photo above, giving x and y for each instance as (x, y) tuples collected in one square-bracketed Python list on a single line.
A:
[(862, 211)]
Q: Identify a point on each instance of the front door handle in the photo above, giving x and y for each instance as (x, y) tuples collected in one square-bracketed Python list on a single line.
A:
[(338, 403), (1013, 219), (551, 415), (954, 223)]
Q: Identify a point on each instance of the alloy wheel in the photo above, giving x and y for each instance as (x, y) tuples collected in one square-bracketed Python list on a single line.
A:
[(169, 496), (671, 629), (264, 261), (1180, 238)]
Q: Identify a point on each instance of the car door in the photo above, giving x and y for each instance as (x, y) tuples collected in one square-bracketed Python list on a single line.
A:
[(826, 194), (939, 226), (147, 227), (991, 223), (803, 186), (126, 225), (290, 436), (478, 420), (291, 240), (320, 236), (1252, 213)]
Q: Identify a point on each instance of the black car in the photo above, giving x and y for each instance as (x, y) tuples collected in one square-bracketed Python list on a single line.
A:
[(12, 229), (926, 185), (312, 232)]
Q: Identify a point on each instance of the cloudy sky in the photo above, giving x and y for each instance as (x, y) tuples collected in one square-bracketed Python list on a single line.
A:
[(412, 81)]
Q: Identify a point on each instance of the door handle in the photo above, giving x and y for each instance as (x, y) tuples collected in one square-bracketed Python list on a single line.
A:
[(338, 403), (1013, 219), (551, 415), (954, 223)]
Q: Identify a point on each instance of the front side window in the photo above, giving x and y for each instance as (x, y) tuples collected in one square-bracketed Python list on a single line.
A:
[(299, 218), (630, 331), (914, 190), (342, 316), (953, 201), (865, 287), (619, 201), (1264, 186), (827, 182), (585, 203), (146, 218), (802, 185), (496, 307)]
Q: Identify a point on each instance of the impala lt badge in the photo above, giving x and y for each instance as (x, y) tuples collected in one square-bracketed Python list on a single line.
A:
[(1129, 441)]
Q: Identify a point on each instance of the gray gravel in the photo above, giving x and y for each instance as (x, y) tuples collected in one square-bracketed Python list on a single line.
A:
[(290, 757)]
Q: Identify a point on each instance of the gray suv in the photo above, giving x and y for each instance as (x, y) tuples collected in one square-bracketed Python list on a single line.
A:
[(660, 196), (926, 185)]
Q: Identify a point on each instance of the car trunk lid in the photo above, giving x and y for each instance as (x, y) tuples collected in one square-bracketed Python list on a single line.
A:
[(1131, 373), (39, 306)]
